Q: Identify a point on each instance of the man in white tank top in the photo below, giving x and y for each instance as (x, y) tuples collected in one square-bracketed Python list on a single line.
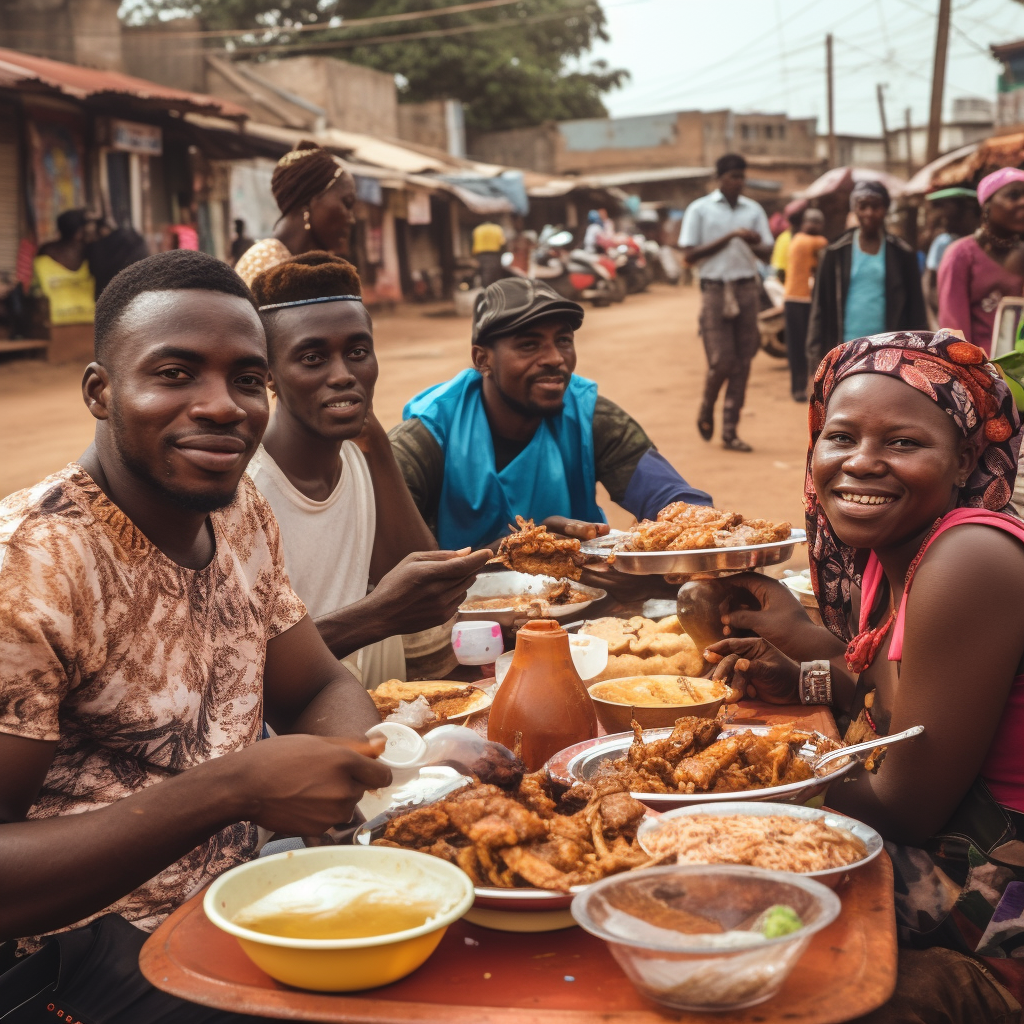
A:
[(356, 549)]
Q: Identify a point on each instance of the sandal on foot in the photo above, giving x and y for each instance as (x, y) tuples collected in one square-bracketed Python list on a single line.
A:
[(734, 444), (706, 428)]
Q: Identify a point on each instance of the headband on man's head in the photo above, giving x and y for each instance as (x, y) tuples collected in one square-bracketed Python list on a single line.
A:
[(310, 302)]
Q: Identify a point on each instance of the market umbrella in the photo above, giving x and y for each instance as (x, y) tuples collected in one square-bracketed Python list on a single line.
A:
[(842, 179)]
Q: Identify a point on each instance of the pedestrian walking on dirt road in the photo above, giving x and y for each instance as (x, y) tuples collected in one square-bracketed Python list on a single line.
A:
[(726, 233)]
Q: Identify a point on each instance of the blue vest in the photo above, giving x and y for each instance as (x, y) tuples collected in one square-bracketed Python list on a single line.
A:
[(552, 476)]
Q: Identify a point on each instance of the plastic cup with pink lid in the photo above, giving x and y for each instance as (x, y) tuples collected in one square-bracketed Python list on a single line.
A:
[(477, 643)]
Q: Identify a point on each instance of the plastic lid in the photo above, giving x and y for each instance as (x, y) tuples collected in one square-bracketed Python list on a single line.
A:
[(404, 746)]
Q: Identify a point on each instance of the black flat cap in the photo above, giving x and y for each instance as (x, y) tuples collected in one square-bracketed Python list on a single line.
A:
[(513, 302)]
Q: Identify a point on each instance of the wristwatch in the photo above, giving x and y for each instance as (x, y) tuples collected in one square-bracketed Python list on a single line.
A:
[(815, 682)]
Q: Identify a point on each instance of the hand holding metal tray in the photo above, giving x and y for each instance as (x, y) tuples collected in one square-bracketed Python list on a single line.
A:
[(711, 561)]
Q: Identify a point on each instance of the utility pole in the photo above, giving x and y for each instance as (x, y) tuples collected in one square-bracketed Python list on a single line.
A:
[(880, 90), (830, 82), (938, 81), (910, 144)]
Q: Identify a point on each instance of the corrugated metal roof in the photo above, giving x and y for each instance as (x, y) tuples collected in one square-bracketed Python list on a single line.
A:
[(82, 83), (391, 164), (642, 174)]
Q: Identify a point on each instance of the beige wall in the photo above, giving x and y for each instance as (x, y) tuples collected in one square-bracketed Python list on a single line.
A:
[(158, 57), (424, 124), (354, 98), (531, 148)]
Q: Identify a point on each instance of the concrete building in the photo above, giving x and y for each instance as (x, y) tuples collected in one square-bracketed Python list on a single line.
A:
[(309, 92), (1010, 101), (85, 32), (971, 122), (690, 138)]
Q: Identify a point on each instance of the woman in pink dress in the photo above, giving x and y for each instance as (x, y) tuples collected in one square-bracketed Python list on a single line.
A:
[(977, 271), (919, 576)]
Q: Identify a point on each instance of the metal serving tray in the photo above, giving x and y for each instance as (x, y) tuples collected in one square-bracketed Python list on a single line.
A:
[(700, 560), (583, 766)]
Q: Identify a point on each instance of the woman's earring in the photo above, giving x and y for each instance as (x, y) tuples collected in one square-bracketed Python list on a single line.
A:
[(305, 219)]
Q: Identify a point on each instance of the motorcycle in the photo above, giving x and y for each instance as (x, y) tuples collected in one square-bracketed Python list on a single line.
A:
[(634, 268), (771, 321), (604, 266), (568, 272)]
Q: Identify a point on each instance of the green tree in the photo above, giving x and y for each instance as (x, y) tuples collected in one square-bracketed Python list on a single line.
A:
[(525, 67)]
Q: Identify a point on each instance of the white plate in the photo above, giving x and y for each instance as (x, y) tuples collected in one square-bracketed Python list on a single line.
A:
[(519, 584), (830, 876), (482, 701)]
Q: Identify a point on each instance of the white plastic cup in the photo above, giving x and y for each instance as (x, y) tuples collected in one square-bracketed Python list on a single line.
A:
[(477, 643), (589, 655)]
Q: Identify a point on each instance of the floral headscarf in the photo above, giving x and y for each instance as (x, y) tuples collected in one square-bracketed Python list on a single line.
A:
[(950, 371)]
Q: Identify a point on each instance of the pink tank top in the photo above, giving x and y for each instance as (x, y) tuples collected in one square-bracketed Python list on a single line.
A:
[(1003, 769)]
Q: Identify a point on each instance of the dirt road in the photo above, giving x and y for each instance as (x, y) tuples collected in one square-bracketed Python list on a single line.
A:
[(644, 353)]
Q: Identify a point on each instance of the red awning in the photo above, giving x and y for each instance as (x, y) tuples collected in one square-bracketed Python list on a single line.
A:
[(17, 68)]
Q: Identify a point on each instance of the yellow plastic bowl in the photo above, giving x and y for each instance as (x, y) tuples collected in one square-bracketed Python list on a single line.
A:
[(335, 965)]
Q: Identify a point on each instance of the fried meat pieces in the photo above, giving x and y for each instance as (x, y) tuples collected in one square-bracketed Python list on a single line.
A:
[(528, 837), (696, 759), (684, 527), (533, 549)]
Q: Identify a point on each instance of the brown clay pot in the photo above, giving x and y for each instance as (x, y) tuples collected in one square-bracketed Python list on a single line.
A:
[(542, 705)]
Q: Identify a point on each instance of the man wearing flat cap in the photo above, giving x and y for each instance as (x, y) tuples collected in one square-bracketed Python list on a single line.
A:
[(521, 434)]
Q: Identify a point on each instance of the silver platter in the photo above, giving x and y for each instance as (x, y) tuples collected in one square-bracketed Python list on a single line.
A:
[(700, 560), (583, 766)]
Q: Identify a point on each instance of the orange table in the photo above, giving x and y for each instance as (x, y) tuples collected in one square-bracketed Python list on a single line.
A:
[(478, 976)]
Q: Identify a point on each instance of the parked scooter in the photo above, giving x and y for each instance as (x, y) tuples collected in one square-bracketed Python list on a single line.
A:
[(771, 321), (570, 275), (633, 265)]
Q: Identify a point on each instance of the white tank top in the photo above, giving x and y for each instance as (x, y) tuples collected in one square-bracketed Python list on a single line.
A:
[(327, 548)]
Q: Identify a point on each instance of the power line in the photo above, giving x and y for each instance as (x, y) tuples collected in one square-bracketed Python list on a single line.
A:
[(751, 72), (336, 44), (353, 23)]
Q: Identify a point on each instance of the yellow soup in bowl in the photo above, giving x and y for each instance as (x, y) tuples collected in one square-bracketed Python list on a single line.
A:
[(339, 918)]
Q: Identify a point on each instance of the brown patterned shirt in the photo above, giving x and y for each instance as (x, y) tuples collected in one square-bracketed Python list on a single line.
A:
[(138, 668)]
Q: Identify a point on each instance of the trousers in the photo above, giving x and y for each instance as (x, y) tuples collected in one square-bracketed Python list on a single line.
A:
[(490, 267), (730, 346), (91, 975), (940, 986), (798, 319)]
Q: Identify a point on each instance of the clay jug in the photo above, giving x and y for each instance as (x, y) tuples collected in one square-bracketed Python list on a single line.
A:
[(542, 705)]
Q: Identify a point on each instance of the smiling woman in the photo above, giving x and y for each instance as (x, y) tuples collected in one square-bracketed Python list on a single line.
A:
[(919, 576)]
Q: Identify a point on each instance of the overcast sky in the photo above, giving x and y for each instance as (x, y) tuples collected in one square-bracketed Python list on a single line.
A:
[(769, 55)]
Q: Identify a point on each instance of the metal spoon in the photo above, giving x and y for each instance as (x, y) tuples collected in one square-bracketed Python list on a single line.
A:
[(865, 748)]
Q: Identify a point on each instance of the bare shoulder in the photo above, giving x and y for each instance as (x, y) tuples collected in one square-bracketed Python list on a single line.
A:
[(973, 562)]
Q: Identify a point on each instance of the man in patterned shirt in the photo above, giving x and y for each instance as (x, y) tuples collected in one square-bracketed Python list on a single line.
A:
[(521, 434), (147, 629)]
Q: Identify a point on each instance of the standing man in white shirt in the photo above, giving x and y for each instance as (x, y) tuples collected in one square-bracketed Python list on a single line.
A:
[(726, 233)]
